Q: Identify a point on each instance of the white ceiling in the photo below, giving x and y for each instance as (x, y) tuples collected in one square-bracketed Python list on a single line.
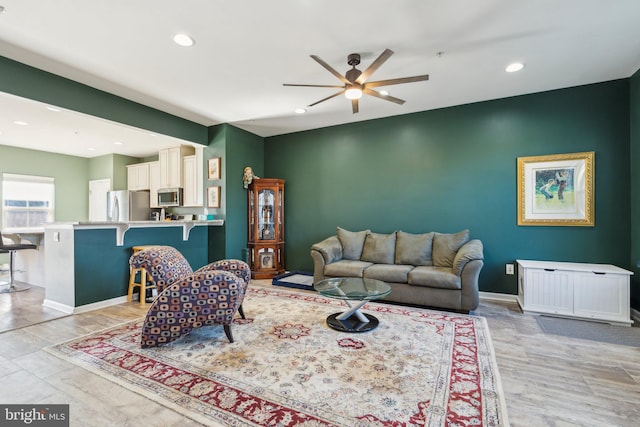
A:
[(245, 51)]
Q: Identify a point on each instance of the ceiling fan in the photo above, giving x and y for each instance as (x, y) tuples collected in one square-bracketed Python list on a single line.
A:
[(355, 81)]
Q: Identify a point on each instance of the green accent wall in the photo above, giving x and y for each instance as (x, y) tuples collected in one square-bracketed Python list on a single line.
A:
[(634, 138), (95, 251), (238, 148), (28, 82), (450, 169)]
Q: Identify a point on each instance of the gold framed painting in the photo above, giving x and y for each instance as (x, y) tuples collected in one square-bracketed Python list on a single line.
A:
[(556, 190), (213, 167), (213, 197)]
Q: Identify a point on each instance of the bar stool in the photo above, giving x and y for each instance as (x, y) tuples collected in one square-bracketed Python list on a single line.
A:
[(11, 249), (146, 281)]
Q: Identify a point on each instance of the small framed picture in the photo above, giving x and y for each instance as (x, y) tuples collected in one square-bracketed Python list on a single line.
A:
[(213, 197), (266, 260), (214, 168)]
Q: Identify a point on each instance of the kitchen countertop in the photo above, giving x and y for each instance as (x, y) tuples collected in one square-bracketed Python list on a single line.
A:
[(122, 227)]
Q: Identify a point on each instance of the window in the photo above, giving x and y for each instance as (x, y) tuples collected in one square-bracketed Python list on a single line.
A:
[(27, 202)]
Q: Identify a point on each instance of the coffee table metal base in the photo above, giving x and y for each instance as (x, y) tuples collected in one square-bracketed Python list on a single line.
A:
[(352, 323), (353, 320)]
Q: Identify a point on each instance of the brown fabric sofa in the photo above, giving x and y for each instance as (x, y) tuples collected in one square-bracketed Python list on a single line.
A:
[(430, 269)]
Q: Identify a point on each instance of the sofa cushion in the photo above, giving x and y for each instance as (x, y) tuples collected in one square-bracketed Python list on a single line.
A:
[(414, 249), (379, 248), (434, 277), (352, 243), (346, 268), (388, 272), (445, 247)]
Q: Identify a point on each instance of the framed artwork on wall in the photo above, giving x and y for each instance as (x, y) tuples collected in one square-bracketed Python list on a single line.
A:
[(556, 190), (214, 168), (213, 197)]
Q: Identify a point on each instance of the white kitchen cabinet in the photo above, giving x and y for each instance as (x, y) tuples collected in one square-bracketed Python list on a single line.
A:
[(154, 183), (193, 179), (138, 176), (585, 291), (170, 159)]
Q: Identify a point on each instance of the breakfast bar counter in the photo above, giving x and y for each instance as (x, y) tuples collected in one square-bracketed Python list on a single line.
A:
[(87, 263)]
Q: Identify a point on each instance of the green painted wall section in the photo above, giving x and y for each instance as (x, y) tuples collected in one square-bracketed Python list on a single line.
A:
[(238, 148), (95, 250), (455, 168), (101, 167), (634, 120), (28, 82), (71, 176)]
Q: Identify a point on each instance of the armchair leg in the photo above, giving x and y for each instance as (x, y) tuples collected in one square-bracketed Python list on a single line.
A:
[(227, 331), (241, 311)]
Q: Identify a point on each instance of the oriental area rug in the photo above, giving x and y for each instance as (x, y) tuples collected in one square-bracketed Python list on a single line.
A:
[(287, 368)]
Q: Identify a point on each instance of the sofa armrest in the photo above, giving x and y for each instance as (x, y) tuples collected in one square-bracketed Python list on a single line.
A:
[(330, 248), (470, 251), (323, 253)]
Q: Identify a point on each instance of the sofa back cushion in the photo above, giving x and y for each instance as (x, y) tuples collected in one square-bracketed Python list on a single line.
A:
[(379, 248), (352, 243), (445, 247), (414, 249)]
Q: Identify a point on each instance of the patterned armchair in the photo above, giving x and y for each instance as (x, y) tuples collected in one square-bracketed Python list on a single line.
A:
[(187, 299)]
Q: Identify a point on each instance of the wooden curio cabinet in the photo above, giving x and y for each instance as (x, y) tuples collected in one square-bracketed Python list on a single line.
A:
[(265, 218)]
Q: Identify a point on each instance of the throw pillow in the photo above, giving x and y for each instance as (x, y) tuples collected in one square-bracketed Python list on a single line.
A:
[(445, 247), (414, 249), (379, 248), (352, 243)]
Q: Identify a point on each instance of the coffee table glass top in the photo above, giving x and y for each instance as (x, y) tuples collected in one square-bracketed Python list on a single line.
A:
[(353, 288)]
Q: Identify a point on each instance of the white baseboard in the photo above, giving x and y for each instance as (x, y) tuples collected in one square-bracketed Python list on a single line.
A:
[(100, 304), (492, 296), (57, 306), (635, 316), (84, 308)]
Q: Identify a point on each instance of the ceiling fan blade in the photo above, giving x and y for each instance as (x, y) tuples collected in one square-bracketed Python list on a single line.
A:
[(327, 98), (291, 84), (354, 105), (398, 81), (374, 66), (385, 97), (342, 78)]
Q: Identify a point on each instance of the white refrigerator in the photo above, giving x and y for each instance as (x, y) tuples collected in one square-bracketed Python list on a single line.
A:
[(125, 205)]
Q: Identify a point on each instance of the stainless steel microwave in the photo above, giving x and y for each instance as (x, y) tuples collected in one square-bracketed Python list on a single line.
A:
[(168, 197)]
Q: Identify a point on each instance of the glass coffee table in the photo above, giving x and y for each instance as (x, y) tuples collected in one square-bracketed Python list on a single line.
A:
[(356, 292)]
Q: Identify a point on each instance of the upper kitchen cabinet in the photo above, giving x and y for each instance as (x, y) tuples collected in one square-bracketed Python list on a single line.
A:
[(194, 179), (171, 165), (138, 176), (154, 183)]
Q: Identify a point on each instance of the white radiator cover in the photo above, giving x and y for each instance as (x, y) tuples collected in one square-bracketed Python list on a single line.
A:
[(584, 291)]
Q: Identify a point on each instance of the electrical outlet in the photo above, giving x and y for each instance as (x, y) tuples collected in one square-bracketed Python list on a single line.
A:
[(509, 269)]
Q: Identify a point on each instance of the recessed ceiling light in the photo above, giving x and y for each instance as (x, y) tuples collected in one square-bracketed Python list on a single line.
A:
[(300, 111), (384, 92), (54, 109), (91, 149), (20, 123), (183, 40), (516, 66), (117, 143)]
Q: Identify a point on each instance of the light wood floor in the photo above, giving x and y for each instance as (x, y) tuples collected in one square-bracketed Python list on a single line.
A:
[(547, 380)]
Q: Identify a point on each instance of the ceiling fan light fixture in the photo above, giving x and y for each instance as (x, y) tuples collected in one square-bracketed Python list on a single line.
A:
[(353, 92)]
